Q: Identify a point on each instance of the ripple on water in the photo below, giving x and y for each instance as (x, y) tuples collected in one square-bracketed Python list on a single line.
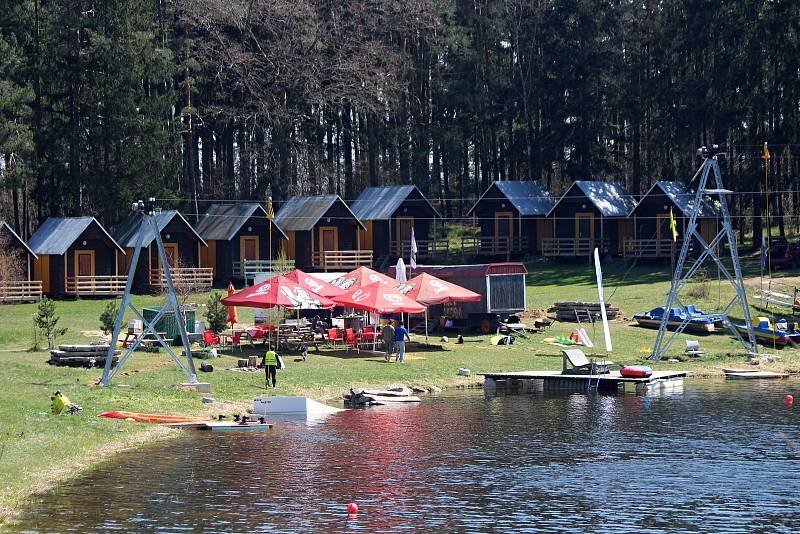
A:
[(715, 456)]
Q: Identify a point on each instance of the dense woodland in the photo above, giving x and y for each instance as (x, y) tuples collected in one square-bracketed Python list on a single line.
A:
[(102, 102)]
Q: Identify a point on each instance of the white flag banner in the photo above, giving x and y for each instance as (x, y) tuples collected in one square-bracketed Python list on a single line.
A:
[(413, 260)]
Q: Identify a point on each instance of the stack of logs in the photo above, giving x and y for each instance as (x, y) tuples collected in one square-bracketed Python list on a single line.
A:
[(81, 355), (582, 311)]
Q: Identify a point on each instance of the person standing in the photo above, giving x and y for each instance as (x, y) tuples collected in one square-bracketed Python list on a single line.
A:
[(400, 336), (388, 339), (270, 363)]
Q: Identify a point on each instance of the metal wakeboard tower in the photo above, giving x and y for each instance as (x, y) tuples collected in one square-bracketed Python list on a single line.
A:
[(715, 249), (148, 224)]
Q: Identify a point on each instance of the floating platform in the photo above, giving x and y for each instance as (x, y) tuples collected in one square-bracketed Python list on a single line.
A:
[(222, 425), (754, 375), (556, 381), (292, 408)]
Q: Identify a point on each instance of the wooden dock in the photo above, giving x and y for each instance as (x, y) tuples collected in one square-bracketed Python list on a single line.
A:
[(556, 381)]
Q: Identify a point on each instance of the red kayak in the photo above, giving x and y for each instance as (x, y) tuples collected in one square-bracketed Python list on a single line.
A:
[(635, 371), (152, 417)]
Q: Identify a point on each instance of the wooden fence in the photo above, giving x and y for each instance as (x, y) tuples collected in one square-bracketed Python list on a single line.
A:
[(20, 291), (91, 286), (198, 278), (248, 269), (426, 248), (494, 246), (650, 248), (337, 260), (570, 246)]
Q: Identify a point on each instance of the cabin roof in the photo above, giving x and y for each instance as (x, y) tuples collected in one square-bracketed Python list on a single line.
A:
[(128, 231), (683, 198), (381, 203), (301, 214), (528, 197), (222, 221), (4, 224), (57, 234), (610, 198)]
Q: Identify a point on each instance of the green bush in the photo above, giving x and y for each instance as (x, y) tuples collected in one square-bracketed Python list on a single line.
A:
[(46, 320), (216, 313)]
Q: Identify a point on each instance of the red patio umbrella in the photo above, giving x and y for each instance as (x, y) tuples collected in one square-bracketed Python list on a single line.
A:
[(361, 277), (278, 291), (314, 284), (378, 298), (429, 290)]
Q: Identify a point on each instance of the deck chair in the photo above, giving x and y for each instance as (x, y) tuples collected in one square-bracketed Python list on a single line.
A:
[(575, 362), (693, 348)]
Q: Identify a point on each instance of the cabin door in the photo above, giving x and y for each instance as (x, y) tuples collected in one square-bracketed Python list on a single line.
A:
[(503, 231), (584, 232), (663, 234), (248, 248), (328, 239), (171, 250), (84, 263), (404, 226)]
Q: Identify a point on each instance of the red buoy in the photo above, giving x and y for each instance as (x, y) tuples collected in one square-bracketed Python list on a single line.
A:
[(352, 508), (789, 400)]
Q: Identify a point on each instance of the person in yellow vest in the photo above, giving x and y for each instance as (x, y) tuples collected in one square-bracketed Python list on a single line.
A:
[(270, 363)]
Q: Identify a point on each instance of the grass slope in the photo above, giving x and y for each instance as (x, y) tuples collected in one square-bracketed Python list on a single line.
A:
[(38, 449)]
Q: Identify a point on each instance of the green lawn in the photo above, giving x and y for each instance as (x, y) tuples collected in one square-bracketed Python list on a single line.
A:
[(38, 449)]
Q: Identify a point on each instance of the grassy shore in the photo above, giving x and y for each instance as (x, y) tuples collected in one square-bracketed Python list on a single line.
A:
[(38, 450)]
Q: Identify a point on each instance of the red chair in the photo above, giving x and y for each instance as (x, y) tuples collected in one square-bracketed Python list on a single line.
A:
[(351, 339), (211, 339), (334, 336)]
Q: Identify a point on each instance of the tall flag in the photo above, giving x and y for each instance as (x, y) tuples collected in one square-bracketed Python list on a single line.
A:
[(270, 211), (413, 260), (673, 226), (766, 152), (763, 254)]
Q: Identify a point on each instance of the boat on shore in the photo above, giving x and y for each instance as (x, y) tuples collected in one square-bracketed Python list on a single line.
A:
[(699, 321), (152, 418), (780, 335)]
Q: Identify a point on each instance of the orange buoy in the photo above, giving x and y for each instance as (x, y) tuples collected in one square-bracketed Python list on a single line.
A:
[(352, 508)]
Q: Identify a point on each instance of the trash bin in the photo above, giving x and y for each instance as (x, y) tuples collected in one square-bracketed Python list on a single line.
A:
[(168, 325)]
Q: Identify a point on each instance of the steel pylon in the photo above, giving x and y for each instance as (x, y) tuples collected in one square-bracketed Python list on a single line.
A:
[(149, 224), (709, 250)]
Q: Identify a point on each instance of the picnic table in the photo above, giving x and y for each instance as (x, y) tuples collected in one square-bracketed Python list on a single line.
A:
[(149, 341)]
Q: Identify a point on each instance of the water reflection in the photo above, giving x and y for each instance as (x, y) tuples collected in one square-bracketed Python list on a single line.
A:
[(713, 457)]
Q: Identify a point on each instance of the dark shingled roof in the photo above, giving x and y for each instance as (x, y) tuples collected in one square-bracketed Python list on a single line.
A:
[(57, 234), (528, 197), (610, 198), (300, 214), (128, 231), (222, 221), (4, 224), (381, 203), (683, 199)]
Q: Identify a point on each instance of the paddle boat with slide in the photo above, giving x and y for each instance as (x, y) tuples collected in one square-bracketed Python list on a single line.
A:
[(699, 321), (782, 334)]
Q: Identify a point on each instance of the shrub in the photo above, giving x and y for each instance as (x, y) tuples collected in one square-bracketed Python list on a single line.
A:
[(108, 317), (46, 320), (216, 313)]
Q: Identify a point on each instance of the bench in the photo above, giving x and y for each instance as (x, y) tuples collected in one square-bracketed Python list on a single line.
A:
[(575, 362)]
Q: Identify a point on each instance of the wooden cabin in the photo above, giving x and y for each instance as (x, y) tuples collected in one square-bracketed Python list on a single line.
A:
[(590, 215), (242, 241), (512, 219), (182, 245), (16, 279), (389, 213), (652, 237), (322, 233), (77, 256)]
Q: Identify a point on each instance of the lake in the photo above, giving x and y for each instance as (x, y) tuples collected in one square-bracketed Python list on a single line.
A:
[(712, 456)]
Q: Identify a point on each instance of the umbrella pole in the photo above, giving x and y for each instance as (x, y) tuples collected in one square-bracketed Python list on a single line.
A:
[(426, 326)]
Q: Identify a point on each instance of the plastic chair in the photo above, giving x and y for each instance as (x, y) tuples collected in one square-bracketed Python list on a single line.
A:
[(210, 339), (334, 336), (351, 340)]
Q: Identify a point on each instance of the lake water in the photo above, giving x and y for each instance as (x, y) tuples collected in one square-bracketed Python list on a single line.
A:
[(714, 457)]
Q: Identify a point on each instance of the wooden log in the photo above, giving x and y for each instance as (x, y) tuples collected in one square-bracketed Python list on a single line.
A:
[(63, 353), (83, 348)]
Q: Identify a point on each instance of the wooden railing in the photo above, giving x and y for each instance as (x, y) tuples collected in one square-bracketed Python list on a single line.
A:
[(336, 260), (20, 291), (248, 269), (426, 248), (96, 285), (493, 246), (650, 248), (570, 246), (198, 278)]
